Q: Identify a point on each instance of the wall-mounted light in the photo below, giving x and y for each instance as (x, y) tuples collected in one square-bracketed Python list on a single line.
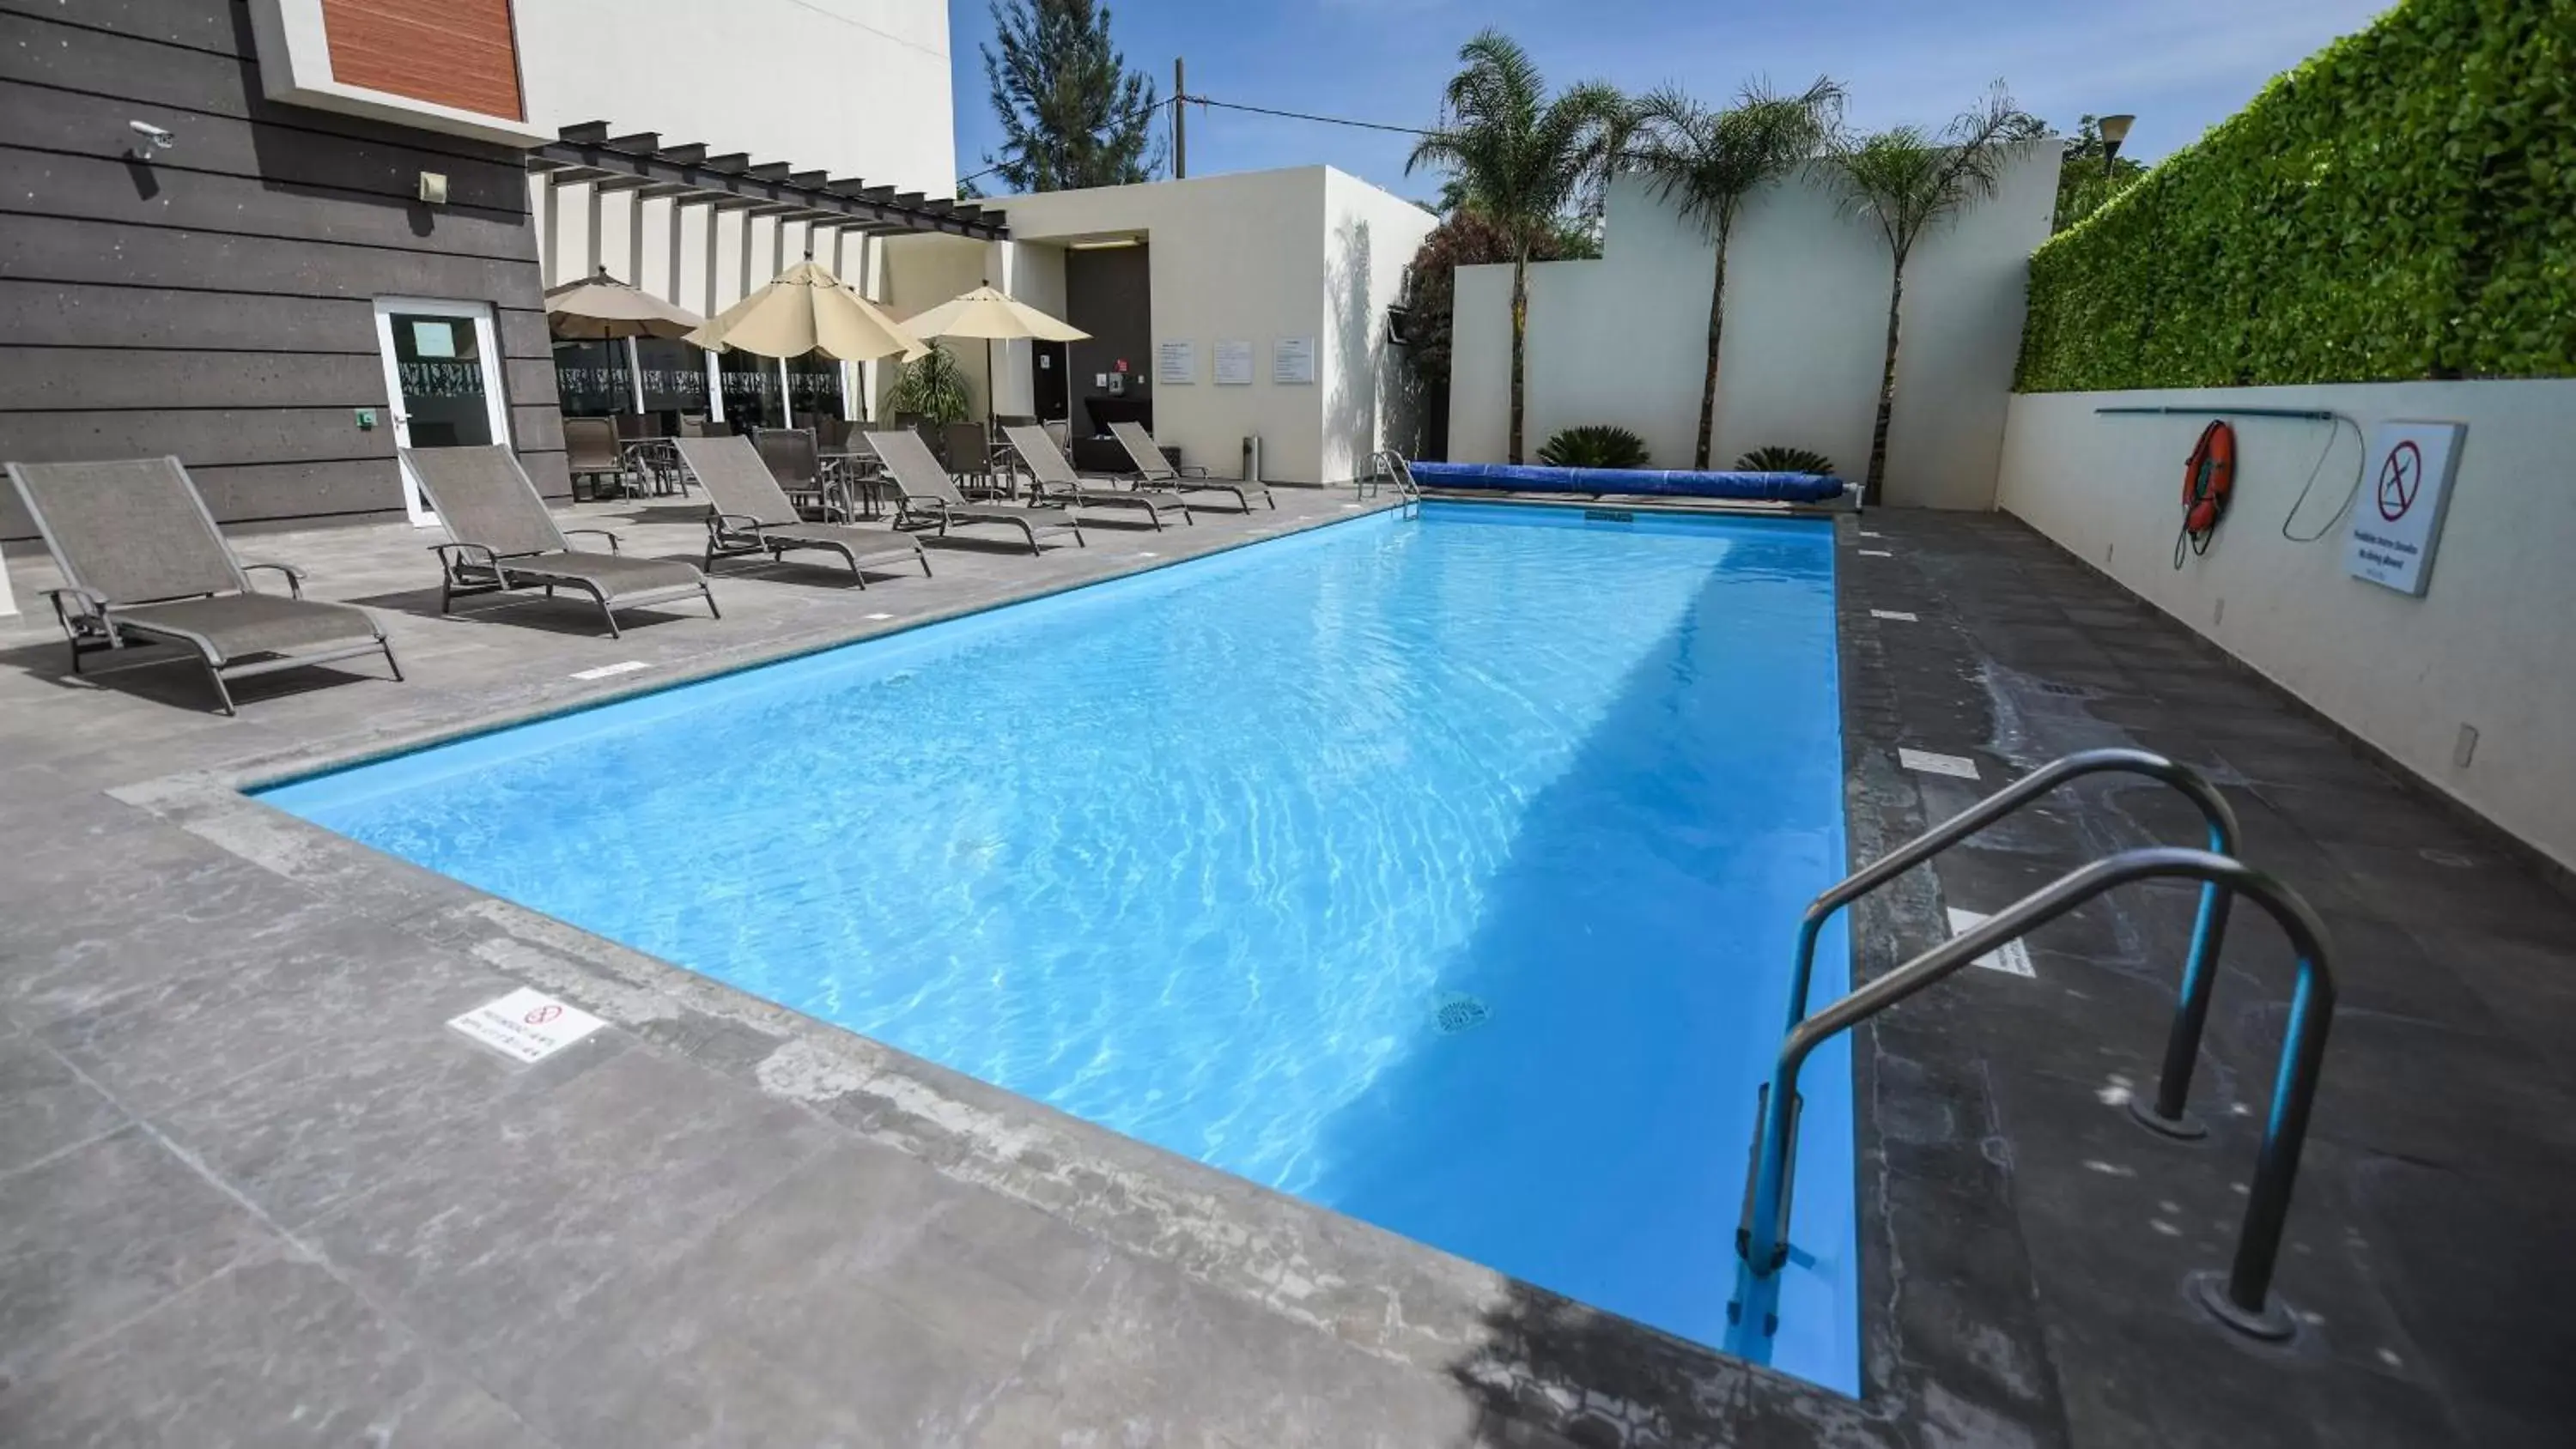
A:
[(2114, 129), (433, 188), (1105, 244), (155, 138)]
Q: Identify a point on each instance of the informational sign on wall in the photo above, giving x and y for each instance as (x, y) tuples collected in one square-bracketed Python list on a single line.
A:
[(1177, 362), (1292, 360), (1233, 363), (2405, 489)]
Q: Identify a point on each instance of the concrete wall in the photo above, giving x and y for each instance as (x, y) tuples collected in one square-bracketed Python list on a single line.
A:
[(216, 302), (2488, 646), (1624, 339), (1257, 257), (856, 87)]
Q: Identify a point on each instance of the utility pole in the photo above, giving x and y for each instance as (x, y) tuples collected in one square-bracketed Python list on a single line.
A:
[(1180, 123)]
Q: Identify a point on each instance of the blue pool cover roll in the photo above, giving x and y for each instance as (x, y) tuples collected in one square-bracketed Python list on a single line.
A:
[(1677, 482)]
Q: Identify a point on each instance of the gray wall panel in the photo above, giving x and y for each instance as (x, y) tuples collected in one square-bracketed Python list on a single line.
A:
[(200, 437), (221, 26), (64, 378), (71, 250), (52, 185), (52, 314), (37, 118)]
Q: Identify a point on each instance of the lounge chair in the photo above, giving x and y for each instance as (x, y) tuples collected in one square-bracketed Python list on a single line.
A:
[(751, 514), (1052, 475), (504, 539), (928, 495), (142, 560), (1153, 470)]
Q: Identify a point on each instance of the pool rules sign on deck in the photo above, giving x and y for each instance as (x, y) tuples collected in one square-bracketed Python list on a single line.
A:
[(2405, 488), (526, 1025)]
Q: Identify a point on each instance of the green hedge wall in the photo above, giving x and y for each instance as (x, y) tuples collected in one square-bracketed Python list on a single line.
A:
[(2403, 205)]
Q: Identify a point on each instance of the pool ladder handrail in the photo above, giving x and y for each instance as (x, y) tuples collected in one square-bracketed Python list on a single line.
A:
[(2242, 1298), (2169, 1113), (1387, 465)]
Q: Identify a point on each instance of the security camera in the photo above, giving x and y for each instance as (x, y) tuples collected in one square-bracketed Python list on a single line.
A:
[(155, 136)]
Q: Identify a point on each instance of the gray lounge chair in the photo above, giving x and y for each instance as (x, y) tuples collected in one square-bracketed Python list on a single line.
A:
[(928, 495), (1153, 470), (1052, 475), (750, 514), (141, 557), (505, 539)]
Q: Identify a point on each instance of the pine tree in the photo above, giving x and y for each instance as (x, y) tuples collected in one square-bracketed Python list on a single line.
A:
[(1072, 113)]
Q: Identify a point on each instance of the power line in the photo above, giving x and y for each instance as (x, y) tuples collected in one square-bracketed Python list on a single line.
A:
[(1307, 116), (1177, 101)]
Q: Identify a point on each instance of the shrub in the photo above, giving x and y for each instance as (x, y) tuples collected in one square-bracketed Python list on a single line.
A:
[(2402, 205), (932, 385), (1774, 458), (1595, 445)]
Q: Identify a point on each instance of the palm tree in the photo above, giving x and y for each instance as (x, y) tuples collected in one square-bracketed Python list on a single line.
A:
[(1519, 159), (1906, 181), (1709, 161)]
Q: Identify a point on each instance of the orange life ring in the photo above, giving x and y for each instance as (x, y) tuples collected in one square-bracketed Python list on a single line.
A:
[(2207, 482)]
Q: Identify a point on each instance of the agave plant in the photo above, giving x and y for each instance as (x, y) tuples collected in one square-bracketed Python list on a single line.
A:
[(934, 386), (1594, 445), (1776, 458)]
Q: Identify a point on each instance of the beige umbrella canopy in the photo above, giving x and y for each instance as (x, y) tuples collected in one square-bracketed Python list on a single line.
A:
[(807, 309), (994, 317), (986, 313), (603, 306)]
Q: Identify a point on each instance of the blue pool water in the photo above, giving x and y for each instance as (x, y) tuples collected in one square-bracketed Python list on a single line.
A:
[(1441, 871)]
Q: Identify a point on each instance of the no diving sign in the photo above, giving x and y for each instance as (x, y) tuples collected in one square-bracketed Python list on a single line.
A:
[(526, 1025), (2405, 488)]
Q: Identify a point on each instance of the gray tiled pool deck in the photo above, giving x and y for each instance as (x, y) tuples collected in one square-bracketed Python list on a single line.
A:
[(253, 1192)]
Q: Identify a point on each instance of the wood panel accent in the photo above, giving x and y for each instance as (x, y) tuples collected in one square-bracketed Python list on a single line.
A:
[(456, 53)]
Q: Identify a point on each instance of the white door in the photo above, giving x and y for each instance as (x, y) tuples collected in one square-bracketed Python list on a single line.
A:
[(443, 374)]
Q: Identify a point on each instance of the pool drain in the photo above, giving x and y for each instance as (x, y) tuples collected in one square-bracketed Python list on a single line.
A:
[(1459, 1012)]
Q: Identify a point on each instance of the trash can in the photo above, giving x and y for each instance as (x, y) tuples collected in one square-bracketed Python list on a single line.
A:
[(1252, 459)]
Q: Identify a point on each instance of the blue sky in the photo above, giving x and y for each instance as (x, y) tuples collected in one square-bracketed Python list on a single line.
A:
[(2180, 65)]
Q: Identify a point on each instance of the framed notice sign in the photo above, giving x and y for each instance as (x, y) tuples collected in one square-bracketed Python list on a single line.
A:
[(2405, 489), (1233, 363), (1176, 362), (1292, 360)]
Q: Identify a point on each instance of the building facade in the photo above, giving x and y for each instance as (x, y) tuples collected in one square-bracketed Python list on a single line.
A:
[(279, 238)]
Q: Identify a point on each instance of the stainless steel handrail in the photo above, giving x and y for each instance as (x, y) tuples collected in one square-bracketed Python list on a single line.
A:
[(1391, 465), (2167, 1114), (2242, 1300)]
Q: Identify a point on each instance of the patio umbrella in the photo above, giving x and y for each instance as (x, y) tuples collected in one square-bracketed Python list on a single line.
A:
[(602, 306), (807, 309), (990, 315)]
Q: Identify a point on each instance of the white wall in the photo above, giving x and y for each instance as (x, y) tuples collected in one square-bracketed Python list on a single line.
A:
[(1370, 237), (1257, 257), (1624, 339), (856, 87), (2490, 645)]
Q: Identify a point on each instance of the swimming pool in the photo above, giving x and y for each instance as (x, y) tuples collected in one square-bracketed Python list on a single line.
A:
[(1440, 871)]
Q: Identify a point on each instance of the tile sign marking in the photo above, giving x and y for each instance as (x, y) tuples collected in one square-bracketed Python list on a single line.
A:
[(626, 666), (1898, 615), (1876, 553), (2012, 958), (2397, 527), (527, 1025), (1931, 764)]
